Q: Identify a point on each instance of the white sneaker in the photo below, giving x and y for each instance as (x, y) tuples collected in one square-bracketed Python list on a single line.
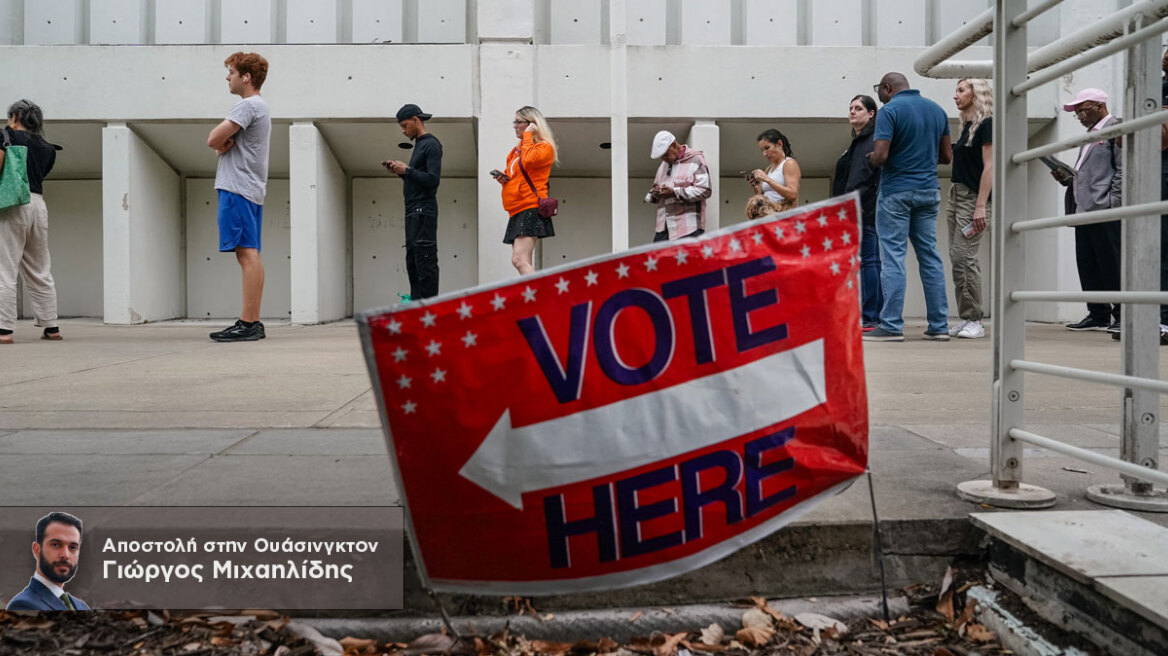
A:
[(972, 330), (956, 330)]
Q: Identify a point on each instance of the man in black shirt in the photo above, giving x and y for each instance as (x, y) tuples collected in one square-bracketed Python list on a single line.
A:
[(420, 187)]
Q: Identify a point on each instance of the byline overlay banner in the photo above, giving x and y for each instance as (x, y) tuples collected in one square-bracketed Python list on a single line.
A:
[(630, 417), (153, 557)]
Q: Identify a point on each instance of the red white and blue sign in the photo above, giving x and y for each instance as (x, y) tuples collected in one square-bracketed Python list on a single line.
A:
[(630, 417)]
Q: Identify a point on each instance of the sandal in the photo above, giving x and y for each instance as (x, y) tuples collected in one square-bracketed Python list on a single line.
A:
[(52, 336)]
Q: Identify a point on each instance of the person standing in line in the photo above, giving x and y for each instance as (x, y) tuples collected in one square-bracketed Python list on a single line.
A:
[(24, 229), (242, 142), (680, 189), (1096, 185), (780, 181), (525, 181), (911, 139), (968, 213), (420, 180), (854, 172)]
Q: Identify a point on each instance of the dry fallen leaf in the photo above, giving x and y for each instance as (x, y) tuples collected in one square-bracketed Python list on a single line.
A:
[(431, 643), (698, 646), (669, 646), (549, 647), (880, 624), (945, 600), (757, 617), (636, 616), (979, 633), (818, 622), (712, 635), (357, 644), (755, 636)]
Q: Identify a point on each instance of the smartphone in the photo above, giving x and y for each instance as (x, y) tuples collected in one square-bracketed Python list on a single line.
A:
[(499, 174), (968, 231)]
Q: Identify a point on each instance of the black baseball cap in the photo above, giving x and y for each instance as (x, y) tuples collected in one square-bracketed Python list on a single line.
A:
[(411, 110)]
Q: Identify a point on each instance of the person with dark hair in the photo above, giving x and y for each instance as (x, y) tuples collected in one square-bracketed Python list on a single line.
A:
[(854, 172), (525, 182), (57, 549), (420, 180), (780, 181), (911, 139), (24, 229), (242, 142)]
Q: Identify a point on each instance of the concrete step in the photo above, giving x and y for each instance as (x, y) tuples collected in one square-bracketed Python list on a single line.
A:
[(1100, 573)]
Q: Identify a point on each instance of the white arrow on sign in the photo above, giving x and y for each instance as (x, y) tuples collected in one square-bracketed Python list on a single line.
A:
[(645, 429)]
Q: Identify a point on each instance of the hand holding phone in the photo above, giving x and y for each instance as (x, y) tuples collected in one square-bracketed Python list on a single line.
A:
[(499, 175)]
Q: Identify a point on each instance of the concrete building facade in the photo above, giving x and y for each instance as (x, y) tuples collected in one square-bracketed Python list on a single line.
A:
[(131, 88)]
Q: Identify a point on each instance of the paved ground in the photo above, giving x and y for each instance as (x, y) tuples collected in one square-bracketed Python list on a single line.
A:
[(158, 414)]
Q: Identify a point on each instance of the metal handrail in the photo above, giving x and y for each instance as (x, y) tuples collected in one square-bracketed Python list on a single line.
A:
[(1137, 298), (1122, 466), (1094, 216), (1090, 57), (933, 61), (1033, 12), (1113, 130), (1089, 375)]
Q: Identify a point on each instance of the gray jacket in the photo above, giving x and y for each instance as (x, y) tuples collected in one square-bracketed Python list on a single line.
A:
[(1098, 183)]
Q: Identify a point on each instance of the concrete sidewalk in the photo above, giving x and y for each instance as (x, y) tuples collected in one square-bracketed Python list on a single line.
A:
[(159, 415)]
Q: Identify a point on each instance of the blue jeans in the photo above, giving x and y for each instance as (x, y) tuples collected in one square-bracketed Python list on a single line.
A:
[(872, 298), (900, 218)]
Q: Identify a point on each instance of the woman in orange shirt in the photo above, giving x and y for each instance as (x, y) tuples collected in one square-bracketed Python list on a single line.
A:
[(537, 152)]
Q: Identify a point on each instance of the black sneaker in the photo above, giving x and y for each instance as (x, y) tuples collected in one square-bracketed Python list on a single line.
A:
[(240, 332), (878, 334), (1089, 323), (1113, 327)]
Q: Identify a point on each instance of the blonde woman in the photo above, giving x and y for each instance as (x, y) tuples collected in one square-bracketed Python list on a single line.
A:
[(780, 181), (968, 214), (534, 154)]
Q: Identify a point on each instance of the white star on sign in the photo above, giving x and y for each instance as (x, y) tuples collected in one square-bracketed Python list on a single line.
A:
[(800, 227), (735, 245), (681, 256), (404, 382), (757, 237), (806, 251), (849, 283), (394, 327), (562, 285), (779, 232), (843, 215), (622, 271), (528, 295), (835, 268), (822, 220), (826, 244), (409, 407), (439, 376), (464, 310), (434, 348), (399, 355), (498, 302), (591, 277), (708, 251), (852, 260), (428, 319), (847, 238), (470, 339), (651, 264)]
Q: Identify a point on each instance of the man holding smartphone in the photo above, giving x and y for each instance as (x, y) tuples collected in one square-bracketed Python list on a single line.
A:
[(420, 187)]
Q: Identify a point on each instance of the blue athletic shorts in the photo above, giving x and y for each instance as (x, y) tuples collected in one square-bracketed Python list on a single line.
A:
[(240, 221)]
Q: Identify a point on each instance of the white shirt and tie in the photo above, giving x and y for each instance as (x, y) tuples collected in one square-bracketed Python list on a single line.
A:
[(56, 590)]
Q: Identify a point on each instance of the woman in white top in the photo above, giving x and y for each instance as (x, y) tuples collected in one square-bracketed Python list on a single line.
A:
[(780, 181)]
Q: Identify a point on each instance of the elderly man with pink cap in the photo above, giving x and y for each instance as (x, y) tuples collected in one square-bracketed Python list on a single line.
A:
[(1095, 186), (680, 188)]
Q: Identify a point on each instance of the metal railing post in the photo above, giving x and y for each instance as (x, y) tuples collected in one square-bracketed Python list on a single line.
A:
[(1010, 198)]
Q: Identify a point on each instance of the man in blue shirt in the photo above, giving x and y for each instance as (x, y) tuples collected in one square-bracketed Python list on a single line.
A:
[(912, 138)]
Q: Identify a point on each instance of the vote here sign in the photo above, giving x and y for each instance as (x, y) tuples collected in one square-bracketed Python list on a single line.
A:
[(629, 417)]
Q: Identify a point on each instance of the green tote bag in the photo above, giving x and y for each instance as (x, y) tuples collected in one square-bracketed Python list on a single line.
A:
[(14, 176)]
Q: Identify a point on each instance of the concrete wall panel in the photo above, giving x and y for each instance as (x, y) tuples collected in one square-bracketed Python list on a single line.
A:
[(312, 21), (949, 16), (117, 21), (379, 268), (181, 21), (11, 22), (771, 23), (576, 22), (900, 23), (377, 21), (646, 24), (584, 224), (319, 196), (836, 23), (213, 278), (705, 22), (247, 21), (444, 21), (75, 245), (499, 19), (52, 22), (565, 88)]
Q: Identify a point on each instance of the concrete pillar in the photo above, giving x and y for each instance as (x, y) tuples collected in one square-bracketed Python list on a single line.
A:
[(142, 243), (704, 136), (617, 17), (319, 194)]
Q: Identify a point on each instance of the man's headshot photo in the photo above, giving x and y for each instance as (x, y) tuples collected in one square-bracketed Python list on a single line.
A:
[(57, 549)]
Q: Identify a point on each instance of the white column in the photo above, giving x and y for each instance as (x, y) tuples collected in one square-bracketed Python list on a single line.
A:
[(319, 241), (617, 15), (704, 136), (142, 250)]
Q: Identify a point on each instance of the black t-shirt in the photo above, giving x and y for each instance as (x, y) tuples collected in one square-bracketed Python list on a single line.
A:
[(967, 162), (424, 175), (41, 156)]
